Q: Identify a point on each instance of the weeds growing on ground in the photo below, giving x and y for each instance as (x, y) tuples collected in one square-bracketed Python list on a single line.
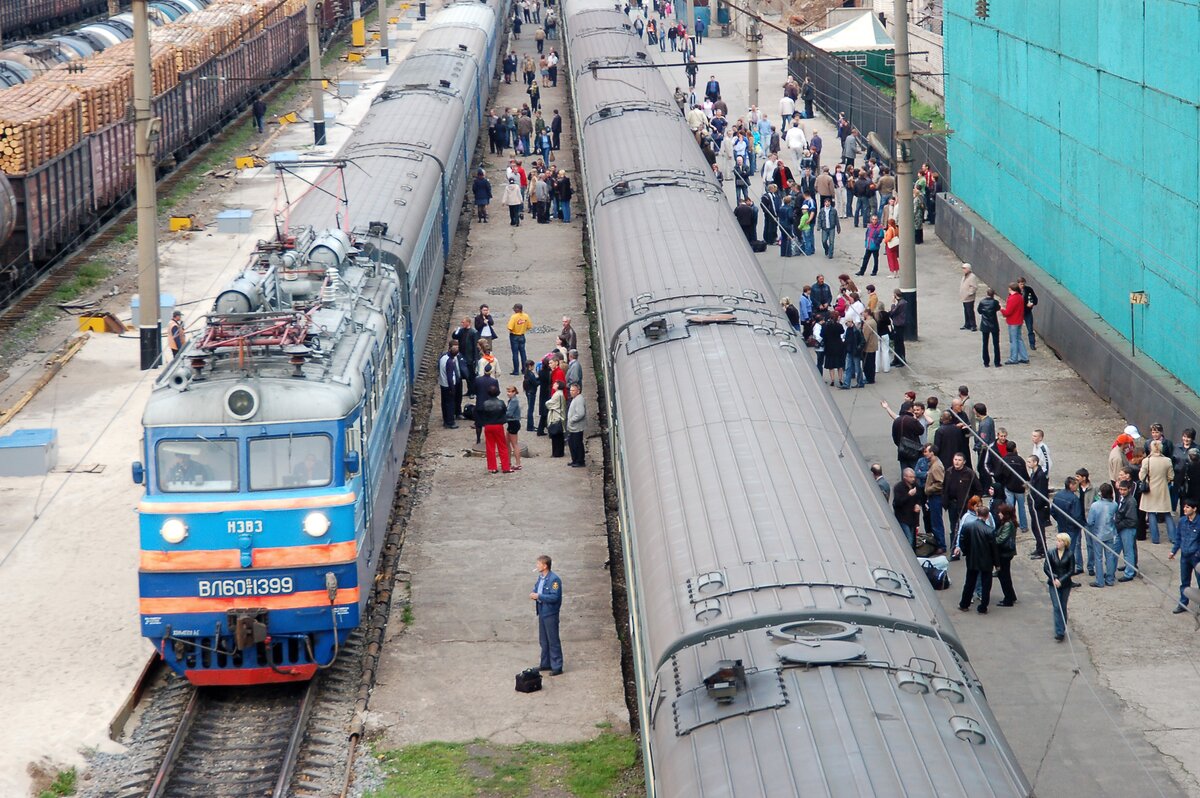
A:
[(604, 767)]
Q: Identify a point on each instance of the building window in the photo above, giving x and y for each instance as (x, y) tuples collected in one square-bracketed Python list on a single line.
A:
[(890, 59), (854, 59)]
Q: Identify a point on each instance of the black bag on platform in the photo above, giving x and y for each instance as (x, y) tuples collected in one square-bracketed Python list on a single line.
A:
[(529, 681), (758, 246)]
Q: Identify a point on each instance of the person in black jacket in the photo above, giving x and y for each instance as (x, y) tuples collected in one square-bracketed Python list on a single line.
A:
[(907, 498), (989, 326), (906, 426), (1126, 519), (977, 547), (563, 193), (961, 483), (530, 384), (543, 394), (1031, 301), (468, 352), (949, 438), (492, 414), (1039, 506), (1059, 566)]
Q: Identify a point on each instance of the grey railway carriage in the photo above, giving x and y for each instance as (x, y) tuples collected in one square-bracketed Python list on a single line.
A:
[(784, 641)]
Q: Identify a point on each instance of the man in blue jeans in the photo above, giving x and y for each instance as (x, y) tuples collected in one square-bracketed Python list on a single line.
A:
[(1188, 531), (1126, 519), (1014, 313)]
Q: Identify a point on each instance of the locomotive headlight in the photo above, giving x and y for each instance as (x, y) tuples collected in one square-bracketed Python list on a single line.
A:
[(173, 530), (316, 524)]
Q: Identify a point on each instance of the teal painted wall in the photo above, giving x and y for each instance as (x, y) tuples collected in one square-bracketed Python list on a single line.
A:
[(1077, 134)]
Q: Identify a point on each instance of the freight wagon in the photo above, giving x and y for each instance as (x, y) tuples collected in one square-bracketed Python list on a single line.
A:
[(50, 209), (23, 17)]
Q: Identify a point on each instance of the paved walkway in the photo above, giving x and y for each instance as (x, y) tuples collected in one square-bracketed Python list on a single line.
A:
[(1125, 723), (473, 537)]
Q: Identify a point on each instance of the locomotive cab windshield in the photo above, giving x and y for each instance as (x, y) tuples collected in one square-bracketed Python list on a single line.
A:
[(272, 460)]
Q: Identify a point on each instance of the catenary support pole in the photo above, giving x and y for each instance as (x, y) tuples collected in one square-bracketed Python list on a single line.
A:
[(385, 35), (754, 34), (145, 138), (904, 168), (314, 73)]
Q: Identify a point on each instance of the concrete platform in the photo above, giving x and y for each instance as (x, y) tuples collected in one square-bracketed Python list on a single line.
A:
[(473, 536), (1123, 724), (68, 542)]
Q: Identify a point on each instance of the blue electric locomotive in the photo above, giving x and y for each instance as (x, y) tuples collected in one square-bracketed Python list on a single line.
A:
[(273, 442)]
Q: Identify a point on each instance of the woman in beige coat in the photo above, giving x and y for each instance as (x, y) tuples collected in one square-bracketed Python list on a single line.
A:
[(1156, 502)]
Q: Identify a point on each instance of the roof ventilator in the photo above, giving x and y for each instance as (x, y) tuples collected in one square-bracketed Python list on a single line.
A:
[(887, 579), (706, 610), (968, 730), (814, 629), (948, 689), (854, 595), (913, 682), (621, 189), (724, 683), (713, 580), (820, 652)]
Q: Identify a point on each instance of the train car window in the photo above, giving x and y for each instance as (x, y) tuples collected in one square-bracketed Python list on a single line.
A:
[(297, 461), (197, 465)]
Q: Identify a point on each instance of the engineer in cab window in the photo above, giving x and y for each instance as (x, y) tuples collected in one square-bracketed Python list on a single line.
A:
[(312, 470), (187, 470)]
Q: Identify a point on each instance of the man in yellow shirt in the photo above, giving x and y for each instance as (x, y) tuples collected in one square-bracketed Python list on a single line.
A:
[(519, 324)]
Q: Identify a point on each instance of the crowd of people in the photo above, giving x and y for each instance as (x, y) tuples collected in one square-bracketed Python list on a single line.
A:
[(551, 386), (855, 335), (966, 491), (801, 196)]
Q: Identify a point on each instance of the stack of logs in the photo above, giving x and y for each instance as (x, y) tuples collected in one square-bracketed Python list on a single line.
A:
[(50, 114), (37, 122)]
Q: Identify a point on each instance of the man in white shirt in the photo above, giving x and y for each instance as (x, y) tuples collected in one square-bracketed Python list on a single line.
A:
[(787, 107), (796, 142)]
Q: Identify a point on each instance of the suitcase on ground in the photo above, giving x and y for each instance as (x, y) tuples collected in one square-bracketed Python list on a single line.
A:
[(529, 681), (758, 246)]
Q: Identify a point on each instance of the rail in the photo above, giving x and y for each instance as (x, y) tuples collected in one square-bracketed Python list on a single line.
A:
[(225, 737)]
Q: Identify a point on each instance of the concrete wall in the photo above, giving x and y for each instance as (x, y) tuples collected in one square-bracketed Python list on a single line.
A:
[(1076, 126), (1137, 386)]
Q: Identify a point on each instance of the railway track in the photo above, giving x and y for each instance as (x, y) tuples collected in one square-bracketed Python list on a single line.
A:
[(237, 743)]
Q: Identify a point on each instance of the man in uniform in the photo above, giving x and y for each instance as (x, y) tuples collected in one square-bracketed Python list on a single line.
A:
[(187, 470), (176, 337), (547, 598)]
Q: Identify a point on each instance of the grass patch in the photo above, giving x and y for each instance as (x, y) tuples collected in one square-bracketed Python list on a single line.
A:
[(90, 275), (126, 235), (604, 767), (924, 112), (406, 615), (63, 785)]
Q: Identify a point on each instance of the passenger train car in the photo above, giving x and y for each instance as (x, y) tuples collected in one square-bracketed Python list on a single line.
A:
[(784, 641), (273, 442)]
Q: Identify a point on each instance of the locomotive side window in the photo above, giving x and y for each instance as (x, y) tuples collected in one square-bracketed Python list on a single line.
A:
[(297, 461), (197, 466)]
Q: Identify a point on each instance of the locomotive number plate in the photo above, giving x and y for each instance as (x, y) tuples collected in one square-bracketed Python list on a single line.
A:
[(244, 526), (250, 586)]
